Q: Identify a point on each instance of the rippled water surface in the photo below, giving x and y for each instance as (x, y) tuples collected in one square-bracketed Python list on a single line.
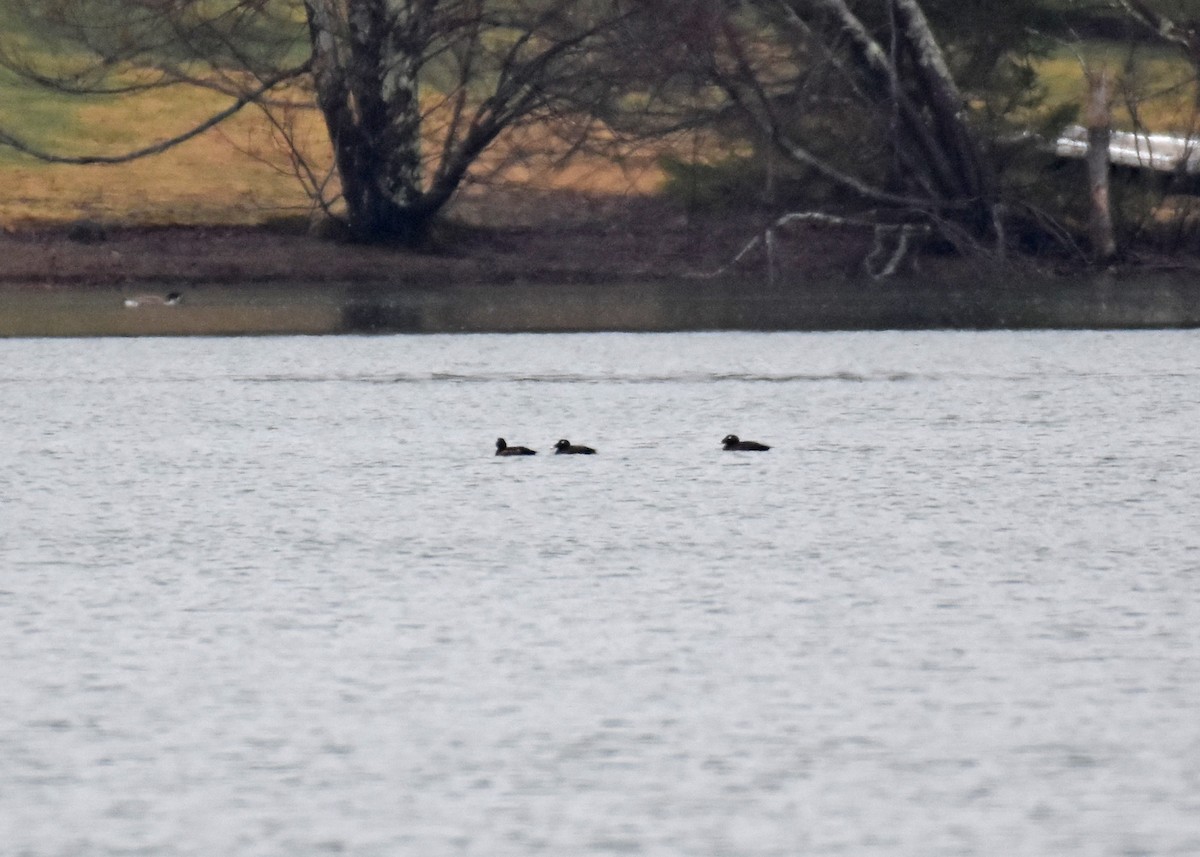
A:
[(277, 597)]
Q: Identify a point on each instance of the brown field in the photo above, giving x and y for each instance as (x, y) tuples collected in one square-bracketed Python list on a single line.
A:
[(241, 173), (232, 175), (225, 209)]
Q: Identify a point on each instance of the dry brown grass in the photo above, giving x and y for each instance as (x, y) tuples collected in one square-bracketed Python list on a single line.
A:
[(235, 174), (241, 173)]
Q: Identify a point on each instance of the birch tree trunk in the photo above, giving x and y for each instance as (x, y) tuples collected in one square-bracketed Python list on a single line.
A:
[(514, 60), (1099, 131), (947, 107), (935, 147), (366, 55)]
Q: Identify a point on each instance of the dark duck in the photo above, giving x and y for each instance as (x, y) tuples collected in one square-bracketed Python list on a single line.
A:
[(503, 448), (733, 442), (565, 447)]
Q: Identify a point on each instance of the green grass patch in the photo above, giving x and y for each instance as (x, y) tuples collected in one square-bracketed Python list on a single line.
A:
[(1154, 87), (36, 115)]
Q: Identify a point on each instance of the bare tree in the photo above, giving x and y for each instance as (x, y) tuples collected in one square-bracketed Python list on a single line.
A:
[(866, 103), (1176, 24), (412, 92)]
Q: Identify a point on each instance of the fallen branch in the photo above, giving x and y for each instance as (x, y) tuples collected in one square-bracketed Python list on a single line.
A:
[(902, 231)]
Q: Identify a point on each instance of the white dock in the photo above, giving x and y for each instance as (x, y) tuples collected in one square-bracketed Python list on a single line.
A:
[(1160, 152)]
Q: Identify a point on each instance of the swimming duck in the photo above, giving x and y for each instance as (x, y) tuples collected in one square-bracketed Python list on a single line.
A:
[(732, 441), (503, 448), (171, 299), (565, 447)]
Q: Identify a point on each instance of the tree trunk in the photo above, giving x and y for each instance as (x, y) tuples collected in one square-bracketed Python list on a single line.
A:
[(1099, 130), (366, 56), (946, 104)]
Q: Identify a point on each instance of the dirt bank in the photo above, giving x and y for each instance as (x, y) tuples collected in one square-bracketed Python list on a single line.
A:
[(565, 263), (555, 238)]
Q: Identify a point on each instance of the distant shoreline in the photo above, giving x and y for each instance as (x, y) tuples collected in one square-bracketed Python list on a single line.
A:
[(1146, 302), (647, 268)]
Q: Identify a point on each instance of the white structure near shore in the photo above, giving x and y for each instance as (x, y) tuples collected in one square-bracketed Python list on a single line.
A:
[(1159, 152)]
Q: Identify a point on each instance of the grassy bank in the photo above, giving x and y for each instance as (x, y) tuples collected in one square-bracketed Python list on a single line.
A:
[(241, 173), (552, 236), (234, 174)]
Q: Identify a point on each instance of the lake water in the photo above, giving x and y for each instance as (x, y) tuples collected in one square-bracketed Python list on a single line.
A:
[(277, 597)]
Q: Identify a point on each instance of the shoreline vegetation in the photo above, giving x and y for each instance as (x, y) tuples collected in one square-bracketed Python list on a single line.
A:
[(654, 230), (581, 263)]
